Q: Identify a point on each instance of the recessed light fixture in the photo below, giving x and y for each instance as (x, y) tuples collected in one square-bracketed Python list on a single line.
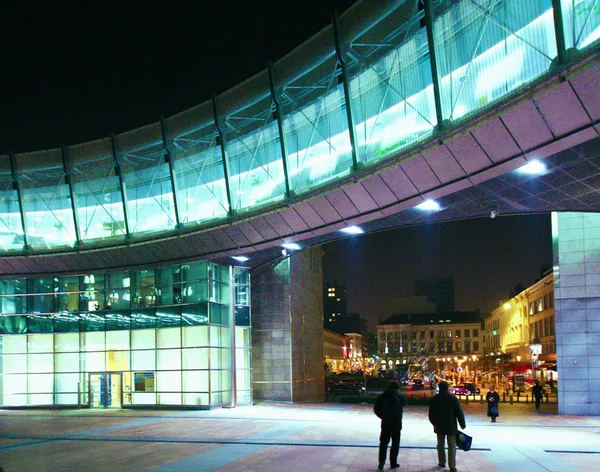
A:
[(292, 246), (532, 168), (352, 230), (240, 258), (429, 205)]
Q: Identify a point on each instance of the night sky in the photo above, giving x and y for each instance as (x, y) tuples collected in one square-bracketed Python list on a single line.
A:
[(75, 75), (487, 258)]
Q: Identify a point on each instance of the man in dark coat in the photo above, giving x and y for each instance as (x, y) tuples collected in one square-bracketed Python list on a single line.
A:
[(537, 392), (444, 413), (388, 408)]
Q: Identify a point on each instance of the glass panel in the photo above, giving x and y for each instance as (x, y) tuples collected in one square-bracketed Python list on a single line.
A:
[(14, 364), (46, 200), (168, 338), (99, 203), (198, 163), (66, 322), (391, 92), (117, 321), (168, 359), (242, 316), (66, 362), (39, 324), (168, 316), (315, 123), (67, 382), (117, 340), (581, 21), (93, 341), (147, 179), (40, 363), (92, 322), (195, 358), (486, 51), (143, 318), (93, 297), (168, 381), (144, 294), (196, 381), (40, 343), (68, 297), (194, 291), (241, 275), (196, 399), (253, 148), (13, 298), (194, 314), (11, 227), (143, 339), (168, 290), (143, 360), (13, 324), (41, 383), (93, 361), (68, 342), (195, 271), (195, 336)]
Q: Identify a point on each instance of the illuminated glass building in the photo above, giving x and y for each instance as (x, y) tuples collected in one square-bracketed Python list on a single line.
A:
[(367, 123)]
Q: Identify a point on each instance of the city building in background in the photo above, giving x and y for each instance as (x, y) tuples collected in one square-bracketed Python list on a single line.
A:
[(438, 290), (335, 352), (520, 336), (449, 344), (335, 307)]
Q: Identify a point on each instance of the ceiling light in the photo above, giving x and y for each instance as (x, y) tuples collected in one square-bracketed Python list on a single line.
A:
[(352, 230), (533, 168), (292, 246), (429, 205), (240, 258)]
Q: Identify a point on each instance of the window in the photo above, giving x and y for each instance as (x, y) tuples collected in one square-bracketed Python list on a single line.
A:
[(546, 302), (458, 333), (551, 300), (414, 335), (552, 326), (475, 333), (467, 347), (458, 346), (422, 335), (449, 333), (476, 346), (440, 347), (531, 312), (432, 347), (540, 305), (431, 334), (440, 333), (397, 335), (404, 335), (449, 346), (467, 333), (390, 336)]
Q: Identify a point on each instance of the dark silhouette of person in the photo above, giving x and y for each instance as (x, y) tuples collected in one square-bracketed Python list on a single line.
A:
[(493, 400), (388, 408), (537, 393), (444, 413)]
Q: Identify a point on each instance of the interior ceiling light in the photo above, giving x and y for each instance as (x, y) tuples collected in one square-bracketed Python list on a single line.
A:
[(352, 230), (429, 205), (533, 168), (292, 246), (240, 258)]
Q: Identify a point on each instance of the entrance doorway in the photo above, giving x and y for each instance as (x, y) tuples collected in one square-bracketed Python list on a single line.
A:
[(105, 390)]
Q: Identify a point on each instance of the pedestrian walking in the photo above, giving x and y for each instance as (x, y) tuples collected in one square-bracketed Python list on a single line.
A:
[(493, 400), (388, 407), (537, 393), (444, 413)]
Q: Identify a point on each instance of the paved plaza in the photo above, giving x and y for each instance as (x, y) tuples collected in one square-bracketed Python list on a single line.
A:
[(323, 437)]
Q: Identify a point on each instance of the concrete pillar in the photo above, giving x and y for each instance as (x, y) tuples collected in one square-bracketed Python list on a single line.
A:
[(576, 252), (287, 329)]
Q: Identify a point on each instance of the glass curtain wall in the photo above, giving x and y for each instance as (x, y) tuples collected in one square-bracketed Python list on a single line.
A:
[(227, 157), (163, 336)]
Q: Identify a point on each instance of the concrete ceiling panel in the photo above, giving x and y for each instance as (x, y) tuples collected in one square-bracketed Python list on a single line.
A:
[(561, 109), (360, 198), (325, 209), (468, 153), (527, 126), (585, 84), (495, 140), (398, 182), (419, 173), (342, 204), (441, 160), (379, 191)]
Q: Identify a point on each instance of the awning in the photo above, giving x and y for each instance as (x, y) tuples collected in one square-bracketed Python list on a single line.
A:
[(518, 368), (547, 366)]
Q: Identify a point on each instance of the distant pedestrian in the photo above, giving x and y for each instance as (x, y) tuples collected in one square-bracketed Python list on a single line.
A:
[(493, 400), (537, 393), (388, 408), (444, 413)]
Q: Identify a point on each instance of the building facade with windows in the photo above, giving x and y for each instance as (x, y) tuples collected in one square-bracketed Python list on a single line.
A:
[(168, 336), (423, 338), (521, 331)]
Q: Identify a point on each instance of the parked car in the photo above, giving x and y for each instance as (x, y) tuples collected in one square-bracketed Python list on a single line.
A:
[(347, 388), (467, 389), (417, 384)]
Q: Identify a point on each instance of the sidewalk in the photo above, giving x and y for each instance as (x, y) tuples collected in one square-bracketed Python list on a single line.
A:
[(323, 437)]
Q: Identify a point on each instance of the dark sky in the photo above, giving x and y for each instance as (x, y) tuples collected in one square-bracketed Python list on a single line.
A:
[(487, 258), (72, 75)]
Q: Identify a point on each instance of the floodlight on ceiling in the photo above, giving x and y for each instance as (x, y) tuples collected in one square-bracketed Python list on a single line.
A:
[(532, 168), (291, 246), (352, 230), (429, 205), (240, 258)]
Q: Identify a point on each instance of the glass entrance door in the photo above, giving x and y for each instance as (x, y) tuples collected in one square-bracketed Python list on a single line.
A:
[(105, 390)]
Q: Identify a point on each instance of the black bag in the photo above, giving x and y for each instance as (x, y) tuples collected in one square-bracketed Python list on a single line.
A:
[(463, 441)]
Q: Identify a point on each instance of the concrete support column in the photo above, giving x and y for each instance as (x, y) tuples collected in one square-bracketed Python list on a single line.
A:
[(576, 252), (287, 329)]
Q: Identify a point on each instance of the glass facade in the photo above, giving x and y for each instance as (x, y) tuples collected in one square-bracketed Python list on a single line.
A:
[(287, 133), (177, 335)]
